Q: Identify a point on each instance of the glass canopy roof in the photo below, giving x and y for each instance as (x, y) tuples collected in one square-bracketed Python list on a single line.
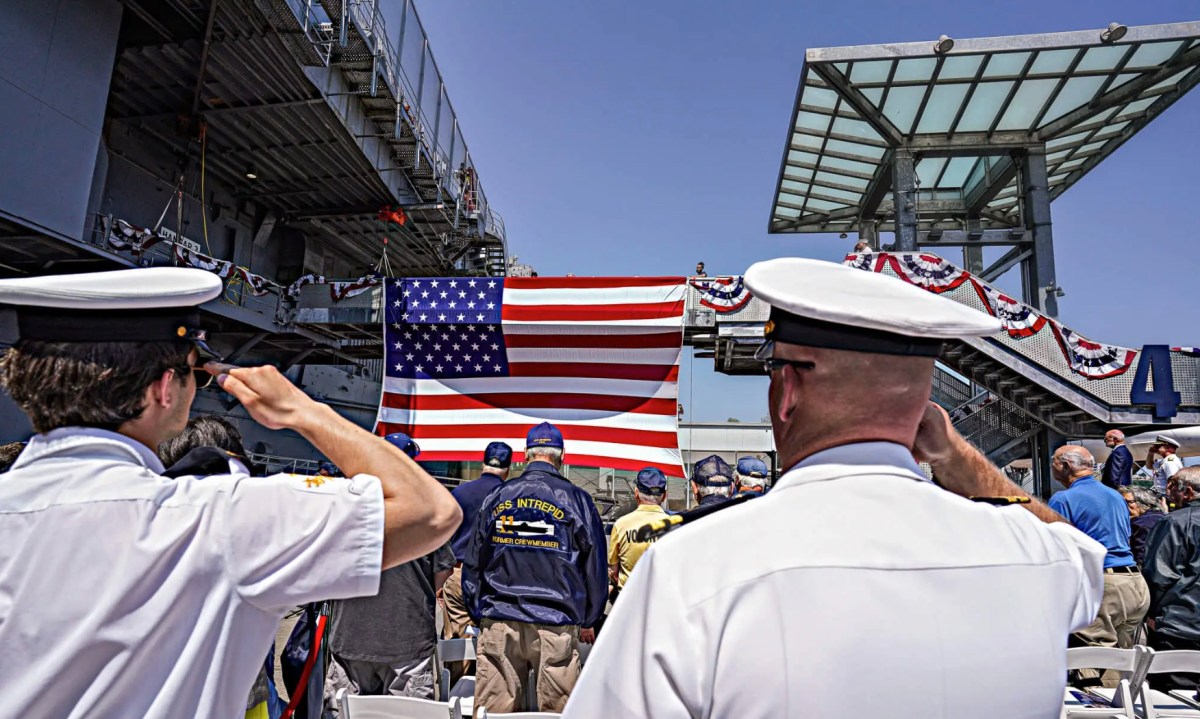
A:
[(963, 114)]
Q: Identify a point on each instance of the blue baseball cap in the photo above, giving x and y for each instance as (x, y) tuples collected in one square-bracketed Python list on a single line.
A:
[(544, 435), (498, 454), (712, 471), (404, 443), (651, 480), (752, 467), (327, 466)]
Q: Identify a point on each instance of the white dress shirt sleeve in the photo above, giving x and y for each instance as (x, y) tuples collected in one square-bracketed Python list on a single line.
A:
[(292, 539), (1087, 561), (645, 660)]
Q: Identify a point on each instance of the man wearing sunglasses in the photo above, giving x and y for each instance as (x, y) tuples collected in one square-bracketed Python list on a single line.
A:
[(127, 593), (868, 589)]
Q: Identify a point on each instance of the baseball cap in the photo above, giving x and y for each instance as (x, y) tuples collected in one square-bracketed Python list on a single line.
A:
[(544, 435), (712, 471), (651, 480), (498, 454), (404, 443)]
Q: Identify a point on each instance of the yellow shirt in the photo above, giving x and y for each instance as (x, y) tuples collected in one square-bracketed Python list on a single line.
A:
[(623, 551)]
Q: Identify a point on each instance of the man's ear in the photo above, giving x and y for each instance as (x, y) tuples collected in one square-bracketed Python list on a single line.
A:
[(789, 396), (159, 392)]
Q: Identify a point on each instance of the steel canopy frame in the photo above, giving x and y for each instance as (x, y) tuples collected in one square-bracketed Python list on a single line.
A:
[(968, 147)]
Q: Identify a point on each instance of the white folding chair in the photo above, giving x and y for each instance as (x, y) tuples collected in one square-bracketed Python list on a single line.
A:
[(1159, 705), (450, 650), (354, 706), (1090, 705)]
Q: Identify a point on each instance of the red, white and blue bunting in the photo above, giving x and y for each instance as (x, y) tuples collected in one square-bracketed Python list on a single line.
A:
[(221, 268), (1189, 351), (1092, 359), (340, 290), (1019, 319), (869, 261), (723, 294), (928, 271)]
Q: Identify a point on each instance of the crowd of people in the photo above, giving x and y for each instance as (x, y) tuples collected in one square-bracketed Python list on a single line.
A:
[(148, 567)]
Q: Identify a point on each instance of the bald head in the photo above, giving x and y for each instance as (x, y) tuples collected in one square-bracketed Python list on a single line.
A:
[(1072, 462), (846, 397), (1113, 437)]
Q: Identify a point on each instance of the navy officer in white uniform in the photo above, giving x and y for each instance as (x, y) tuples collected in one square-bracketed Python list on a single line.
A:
[(124, 593), (913, 602)]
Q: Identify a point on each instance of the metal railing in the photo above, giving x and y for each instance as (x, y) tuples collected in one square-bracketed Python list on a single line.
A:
[(995, 424), (424, 103)]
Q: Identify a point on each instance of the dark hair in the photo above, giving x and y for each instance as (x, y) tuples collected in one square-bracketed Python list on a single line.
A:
[(9, 453), (87, 384), (203, 431)]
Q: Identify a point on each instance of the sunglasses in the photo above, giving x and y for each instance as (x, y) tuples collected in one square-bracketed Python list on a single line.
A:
[(770, 364), (199, 374)]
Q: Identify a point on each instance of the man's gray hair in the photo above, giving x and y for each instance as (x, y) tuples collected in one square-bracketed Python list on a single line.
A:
[(498, 471), (706, 491), (1077, 459), (1189, 477), (745, 480), (1146, 498), (553, 455)]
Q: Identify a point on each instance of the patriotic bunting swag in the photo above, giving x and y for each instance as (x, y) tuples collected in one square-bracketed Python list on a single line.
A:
[(341, 290), (868, 261), (1020, 320), (723, 294), (472, 360), (1092, 359), (1189, 351), (221, 268), (927, 271)]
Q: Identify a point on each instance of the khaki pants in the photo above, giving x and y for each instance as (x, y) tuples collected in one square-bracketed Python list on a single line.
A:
[(509, 651), (455, 608), (1122, 609)]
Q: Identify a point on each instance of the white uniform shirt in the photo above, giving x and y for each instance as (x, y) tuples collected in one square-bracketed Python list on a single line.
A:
[(855, 588), (127, 594), (1165, 468)]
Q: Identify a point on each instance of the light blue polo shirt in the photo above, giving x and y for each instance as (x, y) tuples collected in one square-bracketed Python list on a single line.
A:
[(1100, 513)]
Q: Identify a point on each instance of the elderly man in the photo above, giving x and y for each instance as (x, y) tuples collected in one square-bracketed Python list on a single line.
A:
[(1101, 513), (752, 475), (1145, 512), (1173, 573), (712, 481), (1118, 470), (1164, 461), (497, 460), (916, 604), (535, 580), (624, 549), (127, 593)]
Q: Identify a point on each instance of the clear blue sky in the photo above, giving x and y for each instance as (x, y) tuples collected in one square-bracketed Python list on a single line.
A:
[(620, 138)]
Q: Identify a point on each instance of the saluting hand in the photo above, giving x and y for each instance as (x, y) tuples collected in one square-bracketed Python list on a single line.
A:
[(936, 436), (270, 398)]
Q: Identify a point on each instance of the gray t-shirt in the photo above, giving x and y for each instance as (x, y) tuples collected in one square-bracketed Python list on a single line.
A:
[(397, 624)]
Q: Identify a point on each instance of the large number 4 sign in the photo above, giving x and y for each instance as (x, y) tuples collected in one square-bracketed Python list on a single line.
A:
[(1155, 359)]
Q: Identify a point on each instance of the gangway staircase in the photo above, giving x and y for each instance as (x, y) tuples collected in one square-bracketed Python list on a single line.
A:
[(1002, 391), (404, 106)]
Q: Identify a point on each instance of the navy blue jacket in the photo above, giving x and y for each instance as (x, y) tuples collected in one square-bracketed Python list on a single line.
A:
[(1118, 470), (470, 496), (537, 553)]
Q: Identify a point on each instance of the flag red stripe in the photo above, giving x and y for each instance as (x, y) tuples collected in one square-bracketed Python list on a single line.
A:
[(649, 340), (642, 437), (578, 460), (596, 370), (583, 313), (587, 283), (530, 400)]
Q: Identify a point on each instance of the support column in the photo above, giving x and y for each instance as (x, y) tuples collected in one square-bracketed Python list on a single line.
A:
[(973, 255), (1039, 284), (866, 232), (1042, 446), (904, 200)]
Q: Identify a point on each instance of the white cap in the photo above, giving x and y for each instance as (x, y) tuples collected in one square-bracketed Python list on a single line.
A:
[(143, 305), (822, 304), (1164, 439)]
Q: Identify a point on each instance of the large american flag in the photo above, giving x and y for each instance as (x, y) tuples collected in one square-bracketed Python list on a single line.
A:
[(472, 360)]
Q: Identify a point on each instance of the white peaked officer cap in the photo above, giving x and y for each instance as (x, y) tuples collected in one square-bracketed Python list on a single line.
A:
[(154, 304), (1164, 439), (822, 304)]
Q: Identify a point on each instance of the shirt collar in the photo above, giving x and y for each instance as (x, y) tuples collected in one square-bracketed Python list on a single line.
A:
[(650, 508), (859, 454), (66, 439)]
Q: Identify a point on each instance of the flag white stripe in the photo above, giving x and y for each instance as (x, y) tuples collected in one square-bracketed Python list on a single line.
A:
[(653, 325), (530, 415), (559, 327), (595, 296), (576, 385)]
